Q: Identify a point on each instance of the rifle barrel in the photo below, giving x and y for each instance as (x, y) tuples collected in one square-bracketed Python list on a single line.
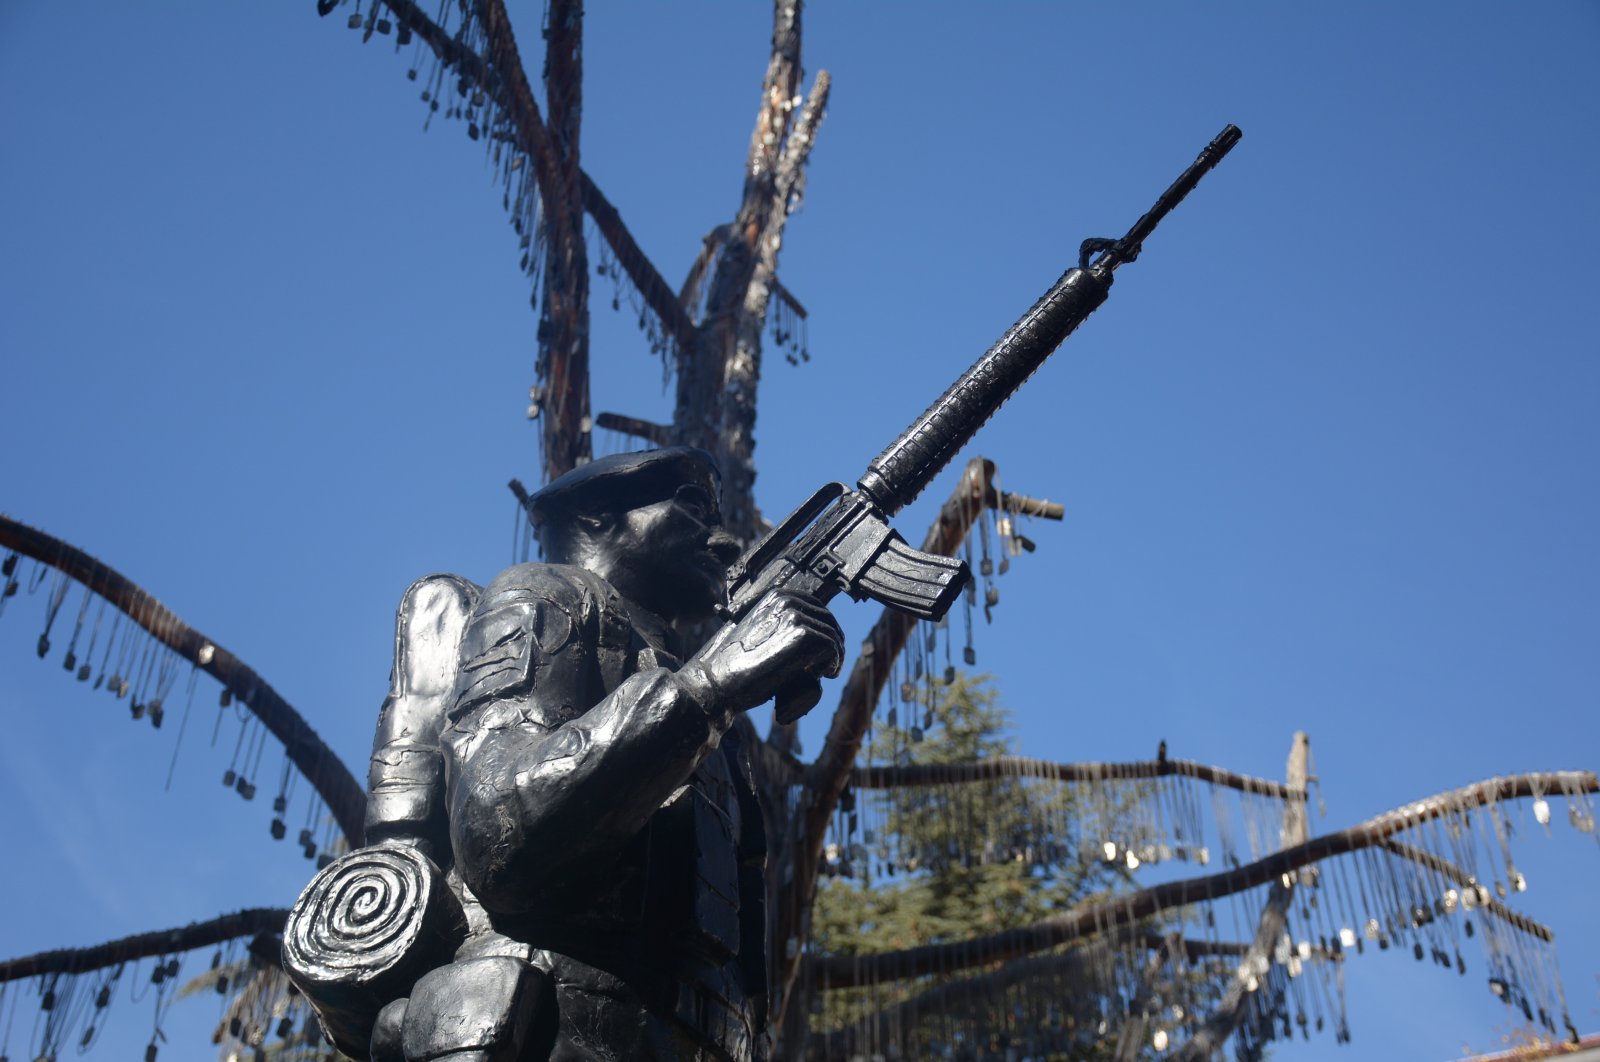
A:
[(901, 472), (1127, 248)]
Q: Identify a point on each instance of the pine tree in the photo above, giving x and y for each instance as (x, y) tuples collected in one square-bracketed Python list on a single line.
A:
[(950, 861)]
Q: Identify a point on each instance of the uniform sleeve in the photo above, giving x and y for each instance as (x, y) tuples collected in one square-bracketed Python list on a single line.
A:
[(543, 787)]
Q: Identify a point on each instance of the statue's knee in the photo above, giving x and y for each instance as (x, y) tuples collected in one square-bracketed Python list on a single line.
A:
[(479, 1010), (386, 1033)]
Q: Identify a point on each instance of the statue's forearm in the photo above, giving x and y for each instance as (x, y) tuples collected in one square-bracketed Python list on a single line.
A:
[(529, 805)]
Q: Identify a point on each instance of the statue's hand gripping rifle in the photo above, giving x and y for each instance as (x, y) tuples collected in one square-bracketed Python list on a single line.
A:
[(840, 539)]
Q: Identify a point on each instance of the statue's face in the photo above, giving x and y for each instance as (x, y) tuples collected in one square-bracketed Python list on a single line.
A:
[(672, 556)]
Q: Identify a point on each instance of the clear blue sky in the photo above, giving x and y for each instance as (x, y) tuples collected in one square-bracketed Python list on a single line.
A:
[(1329, 454)]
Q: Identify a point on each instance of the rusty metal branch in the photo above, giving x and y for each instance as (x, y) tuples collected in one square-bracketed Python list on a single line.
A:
[(648, 431), (889, 776), (1100, 915), (338, 788), (1446, 869), (246, 923), (1230, 1010), (652, 287)]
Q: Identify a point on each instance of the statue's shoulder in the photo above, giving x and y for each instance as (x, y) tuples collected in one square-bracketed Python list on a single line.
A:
[(538, 624), (565, 585)]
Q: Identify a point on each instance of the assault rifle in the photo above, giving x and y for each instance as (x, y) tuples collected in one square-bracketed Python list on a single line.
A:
[(840, 540)]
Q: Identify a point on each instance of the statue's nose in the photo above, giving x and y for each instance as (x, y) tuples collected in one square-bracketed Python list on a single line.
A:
[(723, 546)]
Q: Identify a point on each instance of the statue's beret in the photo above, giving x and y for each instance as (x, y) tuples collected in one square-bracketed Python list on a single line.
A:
[(620, 482)]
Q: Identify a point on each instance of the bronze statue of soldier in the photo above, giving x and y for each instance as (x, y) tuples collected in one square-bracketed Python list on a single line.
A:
[(592, 886)]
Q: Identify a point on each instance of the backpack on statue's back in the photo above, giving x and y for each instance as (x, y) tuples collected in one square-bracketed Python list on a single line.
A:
[(376, 919)]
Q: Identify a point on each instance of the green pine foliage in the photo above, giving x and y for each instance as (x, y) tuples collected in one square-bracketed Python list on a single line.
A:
[(939, 863)]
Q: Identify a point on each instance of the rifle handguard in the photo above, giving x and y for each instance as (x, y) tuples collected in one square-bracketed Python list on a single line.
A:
[(896, 476)]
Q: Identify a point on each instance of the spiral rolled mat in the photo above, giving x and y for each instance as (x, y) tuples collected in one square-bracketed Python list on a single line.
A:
[(369, 924)]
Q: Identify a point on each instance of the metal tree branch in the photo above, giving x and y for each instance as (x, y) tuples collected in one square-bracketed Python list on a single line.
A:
[(1445, 869), (1098, 916), (644, 430), (833, 972), (641, 271), (786, 297), (889, 776), (532, 139), (503, 79), (451, 52), (694, 282), (246, 923), (338, 788), (563, 360), (1230, 1010), (717, 376), (742, 372)]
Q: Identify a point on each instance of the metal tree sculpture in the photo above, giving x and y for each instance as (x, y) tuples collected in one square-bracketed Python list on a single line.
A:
[(1153, 966)]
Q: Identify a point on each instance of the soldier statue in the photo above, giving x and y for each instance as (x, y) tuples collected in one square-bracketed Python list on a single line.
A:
[(565, 771), (564, 853)]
